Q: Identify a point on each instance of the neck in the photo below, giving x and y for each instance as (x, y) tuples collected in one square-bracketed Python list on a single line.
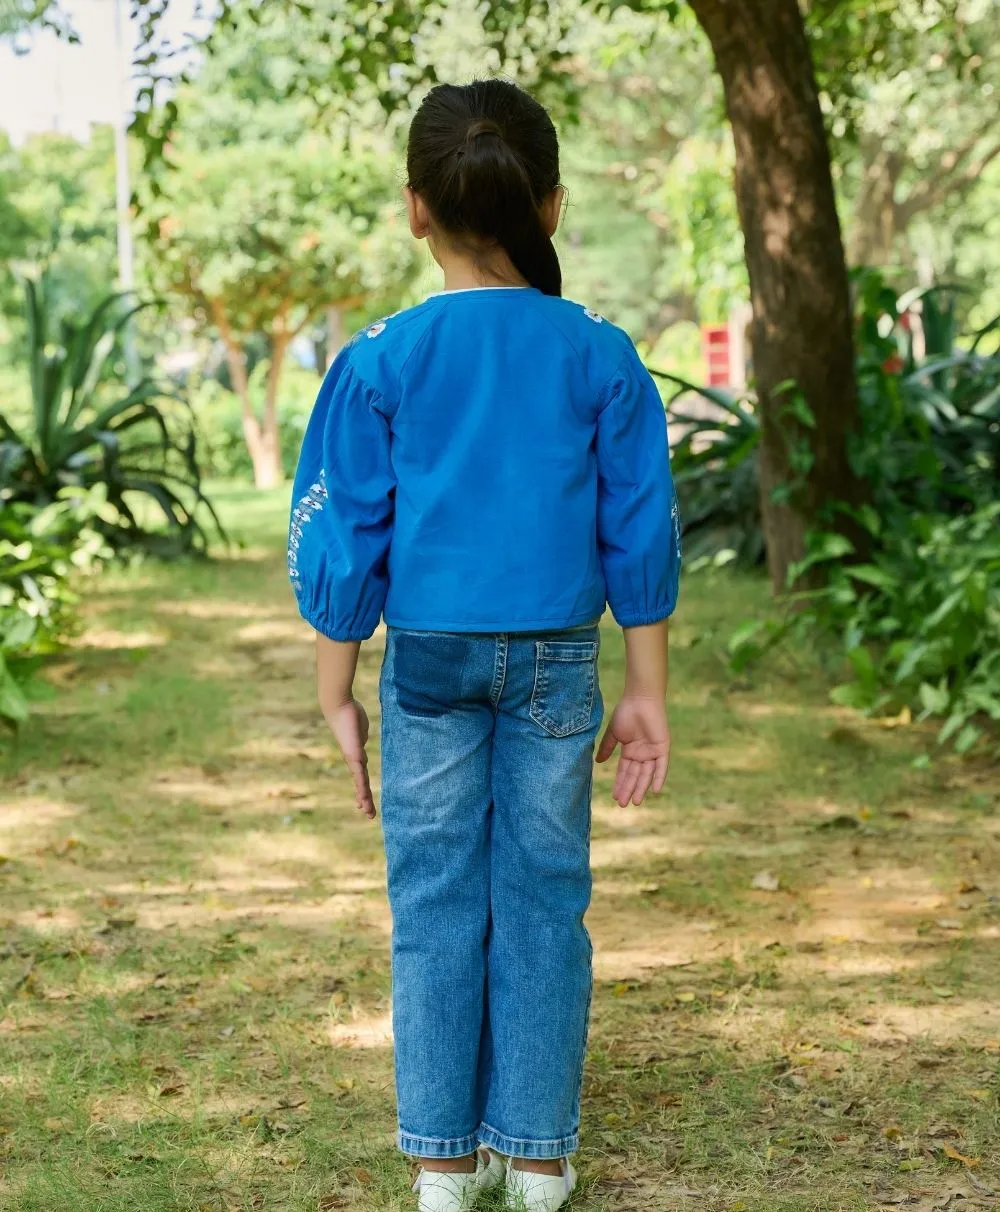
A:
[(463, 273)]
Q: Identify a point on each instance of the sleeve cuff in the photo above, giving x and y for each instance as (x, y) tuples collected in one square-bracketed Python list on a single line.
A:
[(647, 618)]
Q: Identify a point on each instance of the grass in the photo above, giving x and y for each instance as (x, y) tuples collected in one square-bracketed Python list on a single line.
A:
[(194, 983)]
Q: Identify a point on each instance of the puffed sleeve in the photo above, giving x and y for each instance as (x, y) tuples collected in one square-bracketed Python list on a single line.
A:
[(637, 519), (342, 509)]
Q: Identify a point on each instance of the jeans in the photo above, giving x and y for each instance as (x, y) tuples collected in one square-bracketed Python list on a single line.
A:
[(487, 764)]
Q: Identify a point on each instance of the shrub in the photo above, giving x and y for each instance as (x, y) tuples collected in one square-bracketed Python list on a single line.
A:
[(87, 429), (39, 550)]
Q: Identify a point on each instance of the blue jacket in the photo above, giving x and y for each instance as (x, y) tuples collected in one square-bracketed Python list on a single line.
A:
[(492, 460)]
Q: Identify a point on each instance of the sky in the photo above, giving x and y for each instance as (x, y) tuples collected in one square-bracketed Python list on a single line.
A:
[(58, 86)]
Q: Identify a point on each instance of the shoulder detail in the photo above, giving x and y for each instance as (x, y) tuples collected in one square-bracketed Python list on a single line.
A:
[(600, 345), (379, 351)]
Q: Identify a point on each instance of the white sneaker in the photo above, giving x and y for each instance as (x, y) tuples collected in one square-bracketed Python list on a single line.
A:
[(490, 1169), (528, 1192), (448, 1192)]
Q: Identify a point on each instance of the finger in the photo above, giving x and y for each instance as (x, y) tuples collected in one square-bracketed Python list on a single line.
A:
[(609, 742), (621, 774), (660, 773), (642, 783), (629, 781), (362, 784)]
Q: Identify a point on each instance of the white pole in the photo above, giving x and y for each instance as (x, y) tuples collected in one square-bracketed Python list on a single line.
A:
[(123, 191)]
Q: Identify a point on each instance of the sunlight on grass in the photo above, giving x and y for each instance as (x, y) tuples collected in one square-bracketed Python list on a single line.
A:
[(194, 972)]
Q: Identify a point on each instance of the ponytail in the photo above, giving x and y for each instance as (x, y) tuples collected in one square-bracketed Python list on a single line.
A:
[(484, 157)]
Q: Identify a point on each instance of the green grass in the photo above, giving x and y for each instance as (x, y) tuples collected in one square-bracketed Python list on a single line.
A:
[(194, 954)]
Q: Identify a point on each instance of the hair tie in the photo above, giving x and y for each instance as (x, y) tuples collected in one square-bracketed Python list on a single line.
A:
[(482, 126)]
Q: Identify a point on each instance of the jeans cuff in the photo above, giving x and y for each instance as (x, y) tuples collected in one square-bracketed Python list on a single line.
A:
[(433, 1146), (537, 1150)]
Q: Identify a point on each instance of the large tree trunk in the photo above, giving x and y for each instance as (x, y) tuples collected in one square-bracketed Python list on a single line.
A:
[(798, 278), (262, 439)]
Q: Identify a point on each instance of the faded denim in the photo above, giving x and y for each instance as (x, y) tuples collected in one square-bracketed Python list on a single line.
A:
[(487, 761)]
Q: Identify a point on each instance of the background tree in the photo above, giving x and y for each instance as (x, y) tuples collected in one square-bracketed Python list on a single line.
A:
[(265, 222)]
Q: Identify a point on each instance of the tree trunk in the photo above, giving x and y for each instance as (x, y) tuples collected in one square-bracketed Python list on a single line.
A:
[(271, 473), (798, 278), (877, 217), (263, 444)]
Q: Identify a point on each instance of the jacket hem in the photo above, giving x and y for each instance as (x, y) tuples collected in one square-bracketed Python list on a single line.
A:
[(490, 627)]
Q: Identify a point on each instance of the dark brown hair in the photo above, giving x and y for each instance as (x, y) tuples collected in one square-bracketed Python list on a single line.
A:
[(483, 157)]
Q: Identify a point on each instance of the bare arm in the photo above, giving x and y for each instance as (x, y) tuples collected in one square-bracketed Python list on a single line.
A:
[(336, 664), (639, 722)]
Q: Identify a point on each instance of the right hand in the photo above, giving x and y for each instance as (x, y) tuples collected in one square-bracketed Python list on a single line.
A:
[(349, 725), (641, 727)]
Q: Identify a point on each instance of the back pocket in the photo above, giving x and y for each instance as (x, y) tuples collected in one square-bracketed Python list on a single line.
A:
[(562, 701)]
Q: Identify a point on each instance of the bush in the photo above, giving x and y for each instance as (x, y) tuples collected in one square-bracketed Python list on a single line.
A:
[(86, 428), (919, 623), (930, 427), (39, 550)]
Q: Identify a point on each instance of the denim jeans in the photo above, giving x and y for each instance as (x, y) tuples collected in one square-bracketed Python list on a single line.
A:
[(487, 761)]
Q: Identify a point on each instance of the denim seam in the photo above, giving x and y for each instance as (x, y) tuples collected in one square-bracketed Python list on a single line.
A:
[(590, 992), (499, 671), (434, 1140), (523, 1146)]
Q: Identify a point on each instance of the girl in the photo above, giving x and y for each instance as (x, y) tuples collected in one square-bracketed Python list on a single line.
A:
[(487, 470)]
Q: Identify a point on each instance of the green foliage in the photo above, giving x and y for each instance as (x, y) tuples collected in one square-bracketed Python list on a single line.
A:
[(219, 421), (57, 212), (919, 624), (39, 550), (86, 428), (715, 471)]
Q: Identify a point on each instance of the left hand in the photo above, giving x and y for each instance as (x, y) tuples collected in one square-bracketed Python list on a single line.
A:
[(350, 727)]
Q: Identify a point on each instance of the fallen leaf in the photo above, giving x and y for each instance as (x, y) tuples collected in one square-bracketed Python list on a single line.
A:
[(345, 1083), (911, 1163), (363, 1176), (953, 1153), (892, 1132), (686, 996), (765, 881), (839, 1137), (981, 1095), (171, 1089), (669, 1099), (940, 991), (969, 886), (53, 1124), (624, 987), (948, 923), (226, 1032), (937, 1131)]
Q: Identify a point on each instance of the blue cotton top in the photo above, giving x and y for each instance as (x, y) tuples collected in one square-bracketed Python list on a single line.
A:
[(492, 460)]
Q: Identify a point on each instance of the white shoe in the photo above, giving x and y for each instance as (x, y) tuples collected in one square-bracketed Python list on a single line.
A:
[(529, 1192), (442, 1191), (490, 1169)]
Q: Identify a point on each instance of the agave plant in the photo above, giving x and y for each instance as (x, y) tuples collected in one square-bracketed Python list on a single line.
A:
[(714, 461), (88, 428)]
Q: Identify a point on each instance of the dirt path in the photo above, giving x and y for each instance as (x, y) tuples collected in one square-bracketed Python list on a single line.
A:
[(798, 960)]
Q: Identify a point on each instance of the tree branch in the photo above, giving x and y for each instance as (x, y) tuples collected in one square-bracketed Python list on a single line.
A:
[(950, 177)]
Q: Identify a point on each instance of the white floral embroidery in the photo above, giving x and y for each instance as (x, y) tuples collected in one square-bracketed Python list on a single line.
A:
[(311, 504), (593, 315), (377, 328), (675, 515)]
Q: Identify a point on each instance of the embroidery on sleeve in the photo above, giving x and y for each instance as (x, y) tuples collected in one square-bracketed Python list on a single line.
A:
[(593, 315), (310, 504)]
